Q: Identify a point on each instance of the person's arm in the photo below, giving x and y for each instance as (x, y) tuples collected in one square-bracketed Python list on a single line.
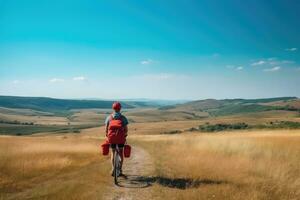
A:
[(106, 126), (106, 129), (125, 123)]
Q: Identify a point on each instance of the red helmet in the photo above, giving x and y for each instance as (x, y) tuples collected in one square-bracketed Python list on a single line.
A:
[(116, 106)]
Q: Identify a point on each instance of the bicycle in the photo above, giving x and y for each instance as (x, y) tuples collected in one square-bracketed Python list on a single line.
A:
[(117, 164)]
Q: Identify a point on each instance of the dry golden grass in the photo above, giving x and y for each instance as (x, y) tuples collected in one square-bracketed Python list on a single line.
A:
[(41, 120), (51, 167), (156, 115), (264, 117), (77, 117), (26, 112), (255, 165), (161, 127), (88, 116), (228, 165)]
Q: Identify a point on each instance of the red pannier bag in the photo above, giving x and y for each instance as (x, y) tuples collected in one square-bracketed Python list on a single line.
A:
[(105, 148), (127, 151)]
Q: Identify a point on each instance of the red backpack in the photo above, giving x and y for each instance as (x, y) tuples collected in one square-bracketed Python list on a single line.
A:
[(116, 131)]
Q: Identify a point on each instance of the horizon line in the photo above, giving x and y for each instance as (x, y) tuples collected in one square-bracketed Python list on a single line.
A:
[(143, 99)]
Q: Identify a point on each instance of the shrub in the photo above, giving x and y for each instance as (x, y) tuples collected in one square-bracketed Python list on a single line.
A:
[(286, 124), (172, 132), (192, 129), (279, 125), (222, 127)]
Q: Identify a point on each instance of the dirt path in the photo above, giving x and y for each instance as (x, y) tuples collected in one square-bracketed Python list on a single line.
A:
[(138, 169)]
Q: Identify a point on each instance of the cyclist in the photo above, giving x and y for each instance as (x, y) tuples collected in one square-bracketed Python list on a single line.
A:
[(116, 131)]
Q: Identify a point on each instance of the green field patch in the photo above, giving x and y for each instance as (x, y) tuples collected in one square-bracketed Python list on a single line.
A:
[(13, 129), (242, 126)]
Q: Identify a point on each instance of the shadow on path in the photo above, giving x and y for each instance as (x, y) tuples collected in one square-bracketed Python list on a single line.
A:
[(134, 181)]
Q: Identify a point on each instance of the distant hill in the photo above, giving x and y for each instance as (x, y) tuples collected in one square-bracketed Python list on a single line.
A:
[(291, 103), (237, 106), (198, 108), (146, 101), (60, 105), (27, 115)]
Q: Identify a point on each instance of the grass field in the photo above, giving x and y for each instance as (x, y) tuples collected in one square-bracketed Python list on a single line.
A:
[(50, 167), (228, 165), (246, 165), (59, 158)]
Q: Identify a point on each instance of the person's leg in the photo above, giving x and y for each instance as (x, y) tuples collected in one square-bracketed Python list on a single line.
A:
[(121, 148), (112, 157), (122, 157)]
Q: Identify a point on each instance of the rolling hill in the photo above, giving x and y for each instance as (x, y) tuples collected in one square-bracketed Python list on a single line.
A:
[(27, 115), (291, 103), (60, 105), (209, 106), (236, 106)]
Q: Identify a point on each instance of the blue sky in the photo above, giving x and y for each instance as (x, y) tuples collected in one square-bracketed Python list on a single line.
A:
[(150, 49)]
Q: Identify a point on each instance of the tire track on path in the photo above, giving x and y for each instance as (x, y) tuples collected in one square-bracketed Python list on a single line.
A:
[(136, 168)]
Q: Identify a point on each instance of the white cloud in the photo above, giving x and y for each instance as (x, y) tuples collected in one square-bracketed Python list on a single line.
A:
[(79, 78), (56, 80), (239, 68), (146, 62), (291, 49), (16, 82), (287, 62), (261, 62), (279, 62), (272, 61), (273, 69)]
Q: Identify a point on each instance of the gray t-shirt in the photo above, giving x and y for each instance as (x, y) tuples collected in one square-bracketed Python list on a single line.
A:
[(117, 115)]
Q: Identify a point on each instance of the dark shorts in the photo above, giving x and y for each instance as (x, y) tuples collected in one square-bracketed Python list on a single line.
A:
[(113, 146)]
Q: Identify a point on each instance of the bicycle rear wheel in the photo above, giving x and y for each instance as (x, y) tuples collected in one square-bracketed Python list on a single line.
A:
[(116, 167)]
